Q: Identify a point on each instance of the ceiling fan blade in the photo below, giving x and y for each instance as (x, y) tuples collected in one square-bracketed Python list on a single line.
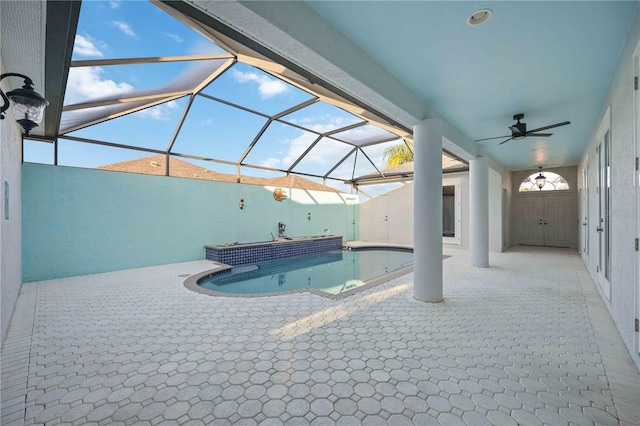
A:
[(488, 139), (544, 135), (505, 141), (564, 123)]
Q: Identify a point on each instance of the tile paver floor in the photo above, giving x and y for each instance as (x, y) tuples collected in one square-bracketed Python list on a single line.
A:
[(511, 344)]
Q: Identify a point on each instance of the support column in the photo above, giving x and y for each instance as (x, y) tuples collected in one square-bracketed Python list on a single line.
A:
[(427, 211), (479, 212)]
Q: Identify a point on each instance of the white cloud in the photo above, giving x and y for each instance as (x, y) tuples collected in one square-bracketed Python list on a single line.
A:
[(88, 83), (160, 112), (206, 121), (84, 46), (115, 4), (272, 162), (267, 87), (124, 27), (325, 122), (175, 37)]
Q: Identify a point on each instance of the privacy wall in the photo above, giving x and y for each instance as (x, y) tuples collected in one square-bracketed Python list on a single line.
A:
[(394, 211), (84, 221)]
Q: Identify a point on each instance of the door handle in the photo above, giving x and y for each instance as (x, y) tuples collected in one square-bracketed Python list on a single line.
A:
[(599, 229), (546, 223), (584, 224)]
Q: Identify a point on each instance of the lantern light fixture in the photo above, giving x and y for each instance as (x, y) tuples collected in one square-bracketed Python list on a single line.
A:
[(540, 179), (28, 105)]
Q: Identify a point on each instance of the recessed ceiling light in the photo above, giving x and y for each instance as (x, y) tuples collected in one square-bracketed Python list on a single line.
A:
[(479, 17)]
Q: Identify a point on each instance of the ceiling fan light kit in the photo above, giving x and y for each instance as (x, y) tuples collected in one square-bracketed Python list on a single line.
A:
[(519, 130)]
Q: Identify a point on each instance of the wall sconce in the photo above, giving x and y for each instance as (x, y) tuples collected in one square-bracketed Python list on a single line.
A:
[(309, 216), (241, 203), (540, 179), (28, 105)]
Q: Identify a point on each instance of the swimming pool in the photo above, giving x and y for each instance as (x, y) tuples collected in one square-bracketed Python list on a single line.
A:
[(334, 273)]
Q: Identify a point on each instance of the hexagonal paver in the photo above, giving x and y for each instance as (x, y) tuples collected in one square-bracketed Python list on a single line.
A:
[(364, 389), (250, 408), (450, 419), (102, 412), (274, 408), (298, 407), (498, 418), (321, 407), (345, 407), (202, 409), (225, 409), (77, 412), (369, 406), (439, 404), (475, 419)]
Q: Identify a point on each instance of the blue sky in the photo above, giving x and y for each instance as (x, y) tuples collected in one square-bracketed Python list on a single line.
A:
[(114, 29)]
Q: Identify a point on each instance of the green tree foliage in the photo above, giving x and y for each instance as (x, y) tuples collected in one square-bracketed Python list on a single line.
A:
[(398, 154)]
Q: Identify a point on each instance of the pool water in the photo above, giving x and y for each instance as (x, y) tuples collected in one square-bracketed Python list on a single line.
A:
[(331, 272)]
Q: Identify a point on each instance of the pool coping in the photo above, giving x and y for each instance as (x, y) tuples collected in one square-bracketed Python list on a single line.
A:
[(191, 283)]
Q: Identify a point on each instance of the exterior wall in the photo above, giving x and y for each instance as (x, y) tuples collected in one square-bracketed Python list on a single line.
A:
[(624, 282), (400, 206), (84, 221), (570, 175), (10, 229)]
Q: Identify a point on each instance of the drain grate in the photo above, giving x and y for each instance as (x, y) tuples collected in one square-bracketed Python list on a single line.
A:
[(184, 275)]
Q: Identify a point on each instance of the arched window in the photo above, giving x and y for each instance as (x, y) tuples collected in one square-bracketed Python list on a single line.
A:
[(553, 182)]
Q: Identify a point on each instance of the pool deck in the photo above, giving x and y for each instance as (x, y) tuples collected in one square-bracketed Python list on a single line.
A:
[(511, 344), (361, 244)]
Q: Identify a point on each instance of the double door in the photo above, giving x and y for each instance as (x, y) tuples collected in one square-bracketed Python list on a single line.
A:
[(545, 220)]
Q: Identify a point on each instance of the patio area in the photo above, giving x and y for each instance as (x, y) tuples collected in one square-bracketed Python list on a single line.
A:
[(526, 341)]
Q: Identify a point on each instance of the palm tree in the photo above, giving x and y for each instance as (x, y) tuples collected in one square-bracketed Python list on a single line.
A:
[(398, 154)]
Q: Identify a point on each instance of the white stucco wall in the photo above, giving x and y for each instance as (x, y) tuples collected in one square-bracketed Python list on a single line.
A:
[(10, 229), (624, 283), (400, 213)]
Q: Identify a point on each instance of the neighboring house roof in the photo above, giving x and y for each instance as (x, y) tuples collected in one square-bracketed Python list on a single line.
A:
[(155, 165), (405, 171)]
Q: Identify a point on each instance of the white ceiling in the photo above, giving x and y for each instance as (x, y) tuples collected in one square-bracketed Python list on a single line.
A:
[(551, 61)]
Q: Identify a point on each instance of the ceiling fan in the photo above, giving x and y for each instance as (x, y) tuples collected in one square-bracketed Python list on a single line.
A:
[(519, 130)]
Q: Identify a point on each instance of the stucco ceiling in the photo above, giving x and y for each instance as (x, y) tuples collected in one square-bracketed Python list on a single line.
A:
[(551, 61)]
